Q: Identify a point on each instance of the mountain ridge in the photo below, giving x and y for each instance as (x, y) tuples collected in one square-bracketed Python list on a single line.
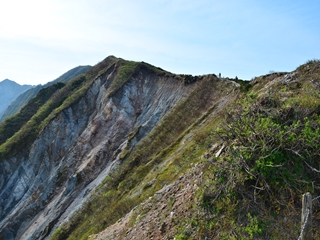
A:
[(128, 150), (23, 98), (118, 72)]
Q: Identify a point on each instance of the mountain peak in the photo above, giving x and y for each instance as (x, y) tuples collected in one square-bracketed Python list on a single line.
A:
[(8, 81)]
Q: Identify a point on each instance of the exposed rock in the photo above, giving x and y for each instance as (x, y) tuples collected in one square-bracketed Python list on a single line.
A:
[(43, 185), (169, 205)]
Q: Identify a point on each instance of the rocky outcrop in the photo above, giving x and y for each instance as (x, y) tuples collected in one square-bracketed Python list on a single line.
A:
[(168, 206), (41, 186)]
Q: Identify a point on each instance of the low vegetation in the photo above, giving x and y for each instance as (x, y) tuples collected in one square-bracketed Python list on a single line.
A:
[(270, 141), (270, 147), (14, 123), (20, 130), (271, 157), (124, 73)]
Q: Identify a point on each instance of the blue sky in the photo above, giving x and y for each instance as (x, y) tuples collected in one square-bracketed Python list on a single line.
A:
[(42, 39)]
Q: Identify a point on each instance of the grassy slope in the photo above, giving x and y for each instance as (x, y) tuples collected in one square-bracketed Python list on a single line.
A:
[(24, 98), (14, 123), (27, 126), (252, 191)]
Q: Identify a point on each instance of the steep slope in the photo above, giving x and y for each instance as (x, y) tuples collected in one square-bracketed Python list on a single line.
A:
[(130, 151), (236, 172), (80, 141), (24, 97), (146, 167), (9, 90)]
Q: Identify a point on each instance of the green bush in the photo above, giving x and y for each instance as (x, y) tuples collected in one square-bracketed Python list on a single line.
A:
[(274, 150), (271, 158)]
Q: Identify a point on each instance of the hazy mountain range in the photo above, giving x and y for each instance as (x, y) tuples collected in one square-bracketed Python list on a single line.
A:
[(9, 91)]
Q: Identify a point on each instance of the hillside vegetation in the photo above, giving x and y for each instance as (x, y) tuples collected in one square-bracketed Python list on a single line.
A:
[(14, 123), (24, 98), (268, 141), (19, 131), (229, 160), (253, 190)]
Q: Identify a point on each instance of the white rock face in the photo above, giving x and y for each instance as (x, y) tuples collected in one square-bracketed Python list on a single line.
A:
[(41, 186)]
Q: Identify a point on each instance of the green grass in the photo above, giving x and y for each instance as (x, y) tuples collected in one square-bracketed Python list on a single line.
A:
[(19, 131), (259, 179), (14, 123), (125, 71)]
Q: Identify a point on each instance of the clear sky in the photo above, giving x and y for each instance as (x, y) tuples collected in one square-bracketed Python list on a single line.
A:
[(42, 39)]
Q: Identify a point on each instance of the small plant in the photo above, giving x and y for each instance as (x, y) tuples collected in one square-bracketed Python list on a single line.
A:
[(172, 201), (254, 228)]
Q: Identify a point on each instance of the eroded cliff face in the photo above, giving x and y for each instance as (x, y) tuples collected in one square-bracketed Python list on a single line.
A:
[(41, 186)]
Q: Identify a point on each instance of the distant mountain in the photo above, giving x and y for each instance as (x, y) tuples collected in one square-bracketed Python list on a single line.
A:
[(10, 90), (19, 101), (66, 77)]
